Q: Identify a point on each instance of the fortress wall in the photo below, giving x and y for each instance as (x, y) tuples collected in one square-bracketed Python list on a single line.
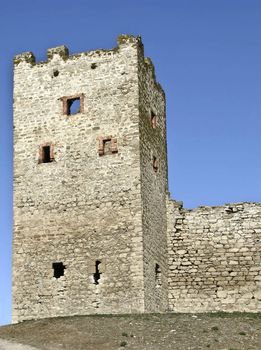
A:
[(214, 258), (101, 198)]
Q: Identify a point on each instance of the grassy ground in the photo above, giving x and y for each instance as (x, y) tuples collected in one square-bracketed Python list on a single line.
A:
[(219, 331)]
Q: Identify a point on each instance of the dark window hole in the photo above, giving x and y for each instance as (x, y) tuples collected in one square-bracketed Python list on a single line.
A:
[(157, 275), (46, 154), (155, 164), (97, 274), (55, 73), (58, 269)]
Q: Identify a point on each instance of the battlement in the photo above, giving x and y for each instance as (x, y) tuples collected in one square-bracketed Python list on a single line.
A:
[(62, 51), (62, 54)]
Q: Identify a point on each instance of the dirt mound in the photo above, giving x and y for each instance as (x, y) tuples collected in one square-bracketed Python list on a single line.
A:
[(220, 331)]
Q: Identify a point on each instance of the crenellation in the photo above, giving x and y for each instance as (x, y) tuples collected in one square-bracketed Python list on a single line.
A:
[(123, 41), (60, 51), (127, 40), (27, 57)]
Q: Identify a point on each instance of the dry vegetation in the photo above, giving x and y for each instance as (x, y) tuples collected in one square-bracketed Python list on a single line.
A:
[(220, 331)]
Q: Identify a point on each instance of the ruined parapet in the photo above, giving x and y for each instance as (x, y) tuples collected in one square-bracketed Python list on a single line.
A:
[(62, 51), (214, 258), (27, 57), (126, 39)]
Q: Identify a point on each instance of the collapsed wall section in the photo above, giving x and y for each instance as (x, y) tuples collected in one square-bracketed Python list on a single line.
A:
[(214, 258)]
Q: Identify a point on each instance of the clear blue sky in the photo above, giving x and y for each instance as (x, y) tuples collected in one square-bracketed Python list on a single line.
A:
[(207, 55)]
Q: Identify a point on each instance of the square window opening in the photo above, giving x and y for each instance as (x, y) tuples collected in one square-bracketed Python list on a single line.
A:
[(73, 106), (107, 145), (58, 269)]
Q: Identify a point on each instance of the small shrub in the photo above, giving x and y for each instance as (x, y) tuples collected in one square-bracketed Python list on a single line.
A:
[(124, 334), (123, 343), (214, 328)]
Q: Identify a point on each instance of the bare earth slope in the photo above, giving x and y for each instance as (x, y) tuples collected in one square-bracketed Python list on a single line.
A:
[(237, 331), (8, 345)]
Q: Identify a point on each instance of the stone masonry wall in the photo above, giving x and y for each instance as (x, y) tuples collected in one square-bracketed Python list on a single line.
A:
[(214, 258), (153, 186), (82, 207)]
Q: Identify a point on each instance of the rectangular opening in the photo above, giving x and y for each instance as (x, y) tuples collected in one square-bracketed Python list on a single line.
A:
[(153, 119), (58, 269), (107, 145), (155, 164), (72, 104), (157, 275), (46, 154), (97, 273)]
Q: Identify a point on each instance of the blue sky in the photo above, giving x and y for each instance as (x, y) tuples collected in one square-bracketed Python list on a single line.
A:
[(207, 55)]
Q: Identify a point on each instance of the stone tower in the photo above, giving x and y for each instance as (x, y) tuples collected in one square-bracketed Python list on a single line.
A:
[(90, 184)]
